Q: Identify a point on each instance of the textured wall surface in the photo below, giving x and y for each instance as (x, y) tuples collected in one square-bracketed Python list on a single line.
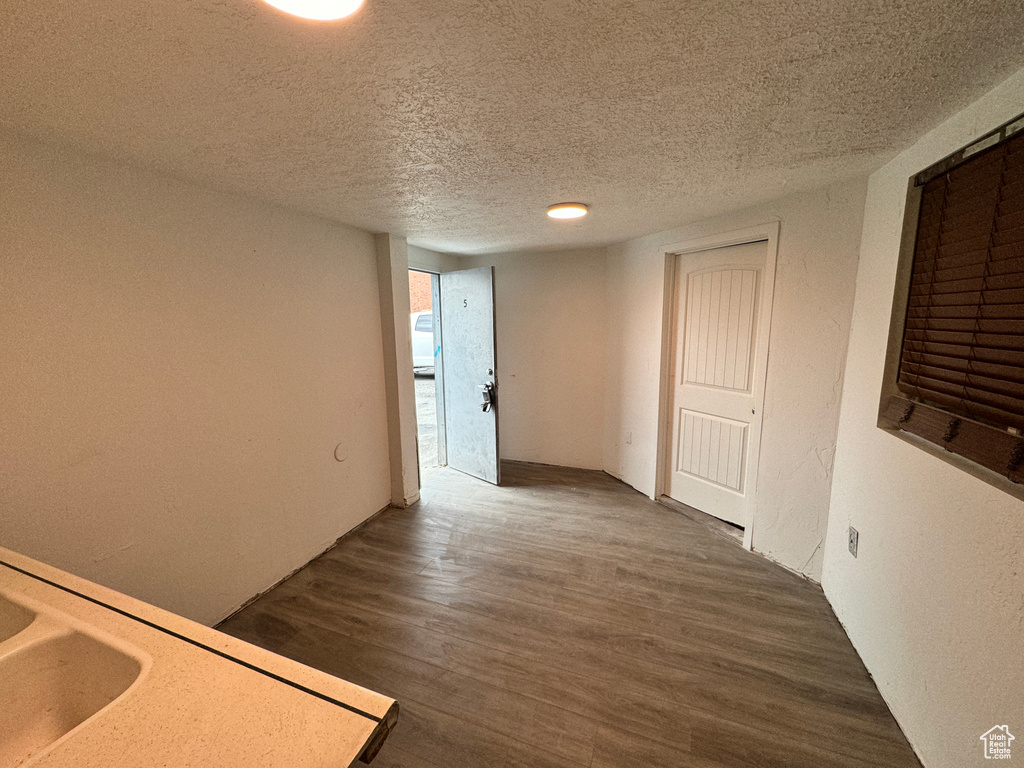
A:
[(456, 122), (934, 601), (814, 284), (551, 321), (192, 382)]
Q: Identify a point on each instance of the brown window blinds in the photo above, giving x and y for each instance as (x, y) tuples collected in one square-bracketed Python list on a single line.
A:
[(963, 340)]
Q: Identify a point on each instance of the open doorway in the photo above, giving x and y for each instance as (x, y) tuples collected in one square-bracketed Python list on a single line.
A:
[(423, 292), (455, 371)]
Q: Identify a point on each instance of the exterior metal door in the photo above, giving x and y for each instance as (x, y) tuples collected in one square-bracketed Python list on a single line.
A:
[(470, 381), (716, 388)]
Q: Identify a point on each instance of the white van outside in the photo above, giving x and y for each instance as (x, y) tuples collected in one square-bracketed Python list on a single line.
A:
[(423, 342)]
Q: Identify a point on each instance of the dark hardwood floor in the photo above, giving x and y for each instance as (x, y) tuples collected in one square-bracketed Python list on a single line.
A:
[(566, 620)]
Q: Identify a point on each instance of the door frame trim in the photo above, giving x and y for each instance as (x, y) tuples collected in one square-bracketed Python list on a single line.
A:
[(768, 232), (441, 424)]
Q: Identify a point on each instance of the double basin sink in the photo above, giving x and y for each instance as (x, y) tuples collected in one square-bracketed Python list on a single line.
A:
[(93, 678), (55, 673)]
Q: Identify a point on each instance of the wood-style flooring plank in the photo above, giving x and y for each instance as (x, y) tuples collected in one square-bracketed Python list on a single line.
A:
[(546, 583), (525, 719), (583, 691), (564, 619), (526, 628), (717, 691)]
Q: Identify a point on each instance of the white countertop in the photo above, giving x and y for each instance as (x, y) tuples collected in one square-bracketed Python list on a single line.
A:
[(203, 698)]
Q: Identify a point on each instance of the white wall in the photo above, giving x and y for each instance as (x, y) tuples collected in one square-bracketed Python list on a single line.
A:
[(817, 261), (934, 602), (181, 369), (551, 322)]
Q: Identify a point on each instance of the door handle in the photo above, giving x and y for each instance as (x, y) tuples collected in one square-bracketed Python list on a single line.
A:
[(490, 395)]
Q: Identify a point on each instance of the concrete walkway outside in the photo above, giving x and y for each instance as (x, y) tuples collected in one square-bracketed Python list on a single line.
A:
[(426, 421)]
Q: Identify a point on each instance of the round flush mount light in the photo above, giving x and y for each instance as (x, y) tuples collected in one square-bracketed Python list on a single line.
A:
[(567, 211), (318, 10)]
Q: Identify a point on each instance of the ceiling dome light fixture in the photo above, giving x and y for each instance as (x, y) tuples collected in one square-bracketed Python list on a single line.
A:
[(318, 10), (567, 211)]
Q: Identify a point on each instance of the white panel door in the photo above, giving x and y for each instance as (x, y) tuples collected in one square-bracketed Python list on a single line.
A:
[(715, 393)]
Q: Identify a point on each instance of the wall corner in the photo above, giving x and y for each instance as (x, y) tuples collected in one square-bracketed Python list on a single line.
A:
[(393, 286)]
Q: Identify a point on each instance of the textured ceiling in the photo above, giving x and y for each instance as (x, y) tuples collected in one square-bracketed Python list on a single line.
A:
[(457, 122)]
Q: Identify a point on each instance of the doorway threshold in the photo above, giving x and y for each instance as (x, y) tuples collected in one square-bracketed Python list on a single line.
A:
[(713, 524)]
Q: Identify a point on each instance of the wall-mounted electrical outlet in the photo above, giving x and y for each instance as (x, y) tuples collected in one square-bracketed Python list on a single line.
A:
[(854, 537)]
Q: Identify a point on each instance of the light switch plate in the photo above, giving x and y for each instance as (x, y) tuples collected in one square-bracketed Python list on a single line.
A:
[(854, 537)]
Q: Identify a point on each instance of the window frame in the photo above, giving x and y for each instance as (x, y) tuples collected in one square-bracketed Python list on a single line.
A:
[(990, 453)]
